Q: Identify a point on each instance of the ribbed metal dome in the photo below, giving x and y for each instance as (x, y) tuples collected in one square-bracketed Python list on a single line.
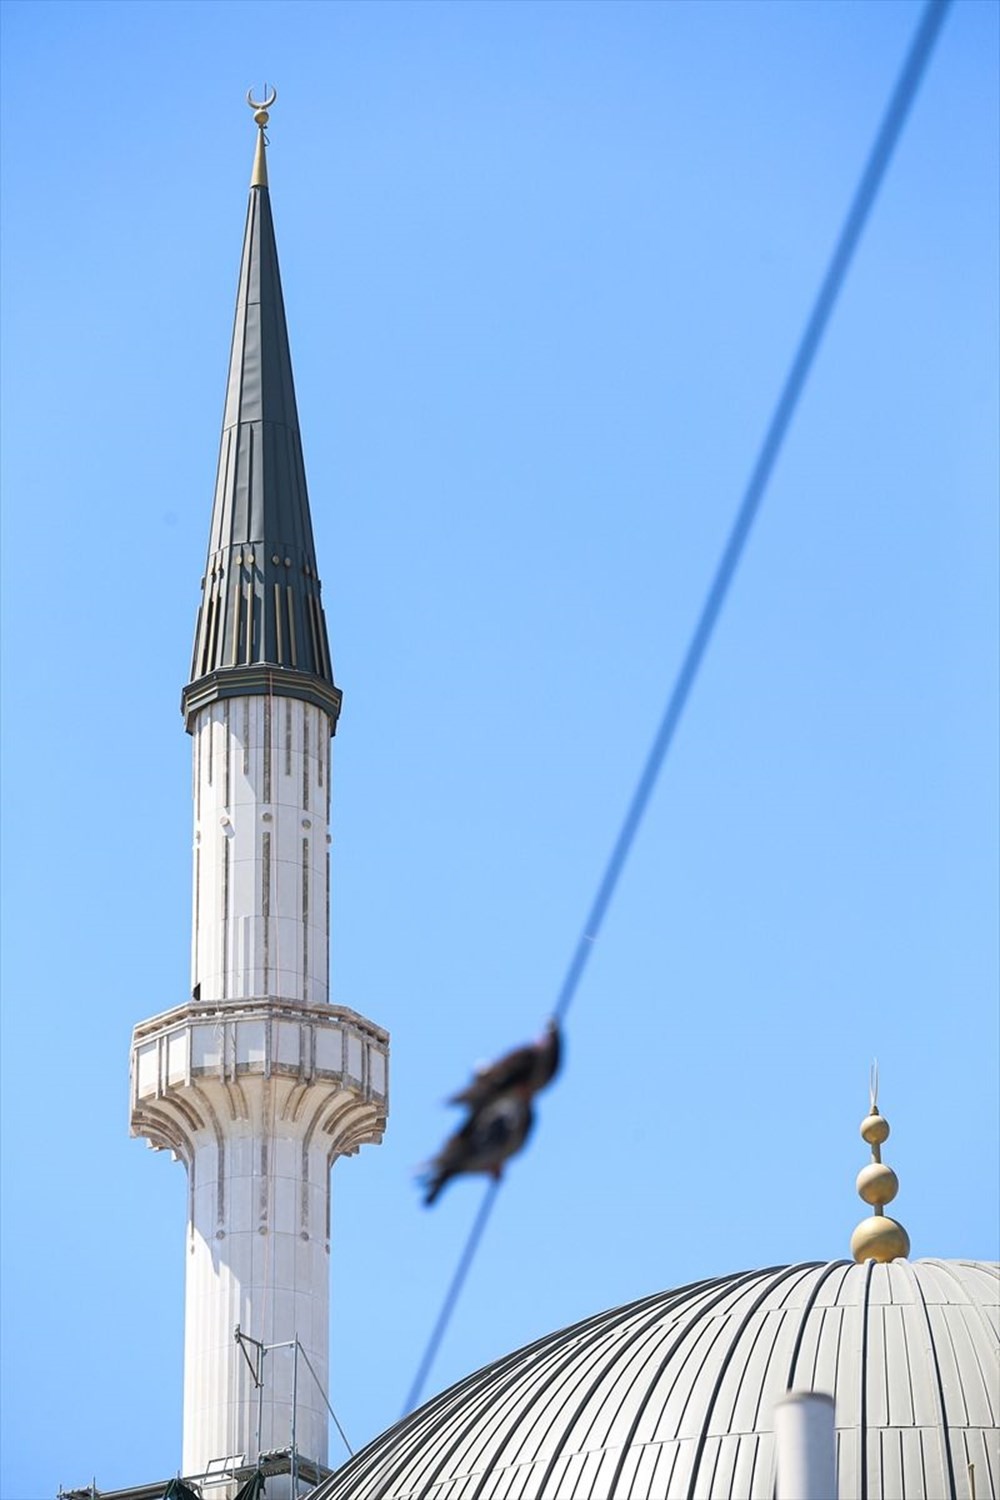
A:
[(672, 1396)]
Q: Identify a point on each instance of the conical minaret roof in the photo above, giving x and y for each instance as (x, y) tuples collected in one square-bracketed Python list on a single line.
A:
[(261, 626)]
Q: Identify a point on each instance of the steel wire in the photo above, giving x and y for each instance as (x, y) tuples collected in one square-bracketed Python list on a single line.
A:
[(886, 139)]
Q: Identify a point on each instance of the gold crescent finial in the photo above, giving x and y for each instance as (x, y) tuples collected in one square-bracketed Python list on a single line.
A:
[(258, 177), (266, 102)]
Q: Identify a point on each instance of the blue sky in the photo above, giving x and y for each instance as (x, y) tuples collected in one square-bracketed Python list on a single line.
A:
[(545, 266)]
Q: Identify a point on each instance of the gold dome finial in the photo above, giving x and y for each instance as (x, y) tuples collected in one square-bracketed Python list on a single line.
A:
[(878, 1237), (258, 177)]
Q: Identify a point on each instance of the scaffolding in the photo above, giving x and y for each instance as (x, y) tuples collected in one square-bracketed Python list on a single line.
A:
[(233, 1468), (257, 1371)]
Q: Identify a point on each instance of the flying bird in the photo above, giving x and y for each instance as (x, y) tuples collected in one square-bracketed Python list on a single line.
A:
[(488, 1138), (529, 1068)]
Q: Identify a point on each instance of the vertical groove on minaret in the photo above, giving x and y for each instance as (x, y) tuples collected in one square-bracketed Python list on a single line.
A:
[(267, 749), (226, 757), (321, 635), (265, 1140), (220, 1176), (211, 743), (267, 1127), (201, 617), (327, 907), (323, 640), (311, 633), (319, 749), (265, 903), (329, 777), (209, 622), (304, 1191), (246, 736), (305, 919), (204, 636), (250, 602), (197, 915), (217, 613), (288, 737), (311, 614), (209, 627), (278, 625), (226, 851), (234, 649), (291, 624), (225, 916), (305, 758)]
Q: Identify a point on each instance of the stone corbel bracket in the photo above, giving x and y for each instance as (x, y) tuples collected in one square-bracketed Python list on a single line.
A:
[(259, 1066)]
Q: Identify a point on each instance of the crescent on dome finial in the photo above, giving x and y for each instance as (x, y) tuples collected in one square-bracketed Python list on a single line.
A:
[(258, 177), (878, 1237)]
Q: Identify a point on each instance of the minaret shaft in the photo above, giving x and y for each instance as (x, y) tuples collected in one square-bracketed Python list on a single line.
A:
[(257, 1083), (261, 907), (260, 1260)]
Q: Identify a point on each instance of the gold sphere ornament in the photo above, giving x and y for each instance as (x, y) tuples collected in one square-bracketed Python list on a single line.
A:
[(874, 1129), (877, 1183), (261, 118), (879, 1238)]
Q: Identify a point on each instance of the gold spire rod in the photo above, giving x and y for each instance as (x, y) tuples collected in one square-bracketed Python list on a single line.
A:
[(258, 177), (878, 1237)]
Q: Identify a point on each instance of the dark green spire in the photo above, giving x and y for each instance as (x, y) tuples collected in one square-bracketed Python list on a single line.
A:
[(261, 626)]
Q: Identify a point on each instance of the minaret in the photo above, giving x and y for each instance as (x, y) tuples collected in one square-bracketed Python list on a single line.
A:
[(258, 1083)]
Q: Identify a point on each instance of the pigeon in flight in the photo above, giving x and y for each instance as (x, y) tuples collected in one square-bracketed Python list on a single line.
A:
[(529, 1068), (489, 1136)]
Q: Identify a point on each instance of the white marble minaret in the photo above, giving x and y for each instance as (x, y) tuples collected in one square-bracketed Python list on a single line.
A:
[(258, 1083)]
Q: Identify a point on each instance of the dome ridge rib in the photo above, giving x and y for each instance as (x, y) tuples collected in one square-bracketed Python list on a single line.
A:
[(869, 1270), (943, 1426), (811, 1300)]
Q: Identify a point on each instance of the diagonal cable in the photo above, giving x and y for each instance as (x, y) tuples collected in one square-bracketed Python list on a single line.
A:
[(886, 139), (457, 1281), (850, 234)]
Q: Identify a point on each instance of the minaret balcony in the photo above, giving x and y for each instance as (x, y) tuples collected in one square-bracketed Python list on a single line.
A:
[(199, 1068)]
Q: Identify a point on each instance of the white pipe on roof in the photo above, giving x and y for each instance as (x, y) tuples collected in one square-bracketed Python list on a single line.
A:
[(805, 1447)]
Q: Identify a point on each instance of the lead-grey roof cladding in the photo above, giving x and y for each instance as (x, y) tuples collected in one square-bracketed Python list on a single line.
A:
[(261, 625), (672, 1396)]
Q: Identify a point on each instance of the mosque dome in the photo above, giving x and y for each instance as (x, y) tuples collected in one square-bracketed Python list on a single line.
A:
[(673, 1395)]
